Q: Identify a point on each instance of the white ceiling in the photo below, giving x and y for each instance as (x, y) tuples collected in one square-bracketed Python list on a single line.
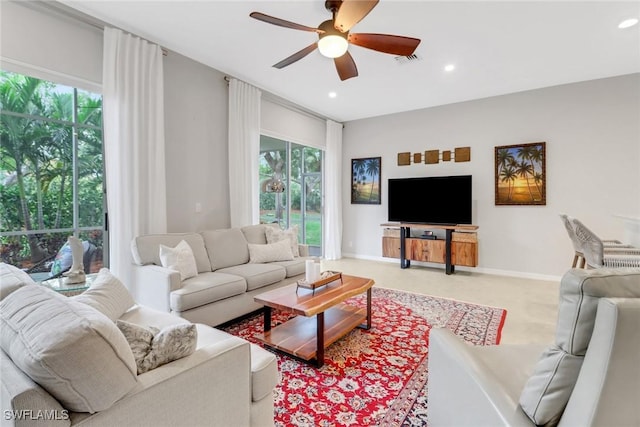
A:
[(497, 47)]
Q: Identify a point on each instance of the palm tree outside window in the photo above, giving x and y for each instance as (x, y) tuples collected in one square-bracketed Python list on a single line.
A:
[(291, 189), (51, 173)]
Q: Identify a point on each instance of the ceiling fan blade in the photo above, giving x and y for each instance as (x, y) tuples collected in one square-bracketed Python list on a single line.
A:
[(351, 12), (346, 66), (296, 56), (386, 43), (282, 23)]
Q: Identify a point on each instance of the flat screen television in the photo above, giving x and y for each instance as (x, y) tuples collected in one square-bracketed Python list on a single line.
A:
[(430, 200)]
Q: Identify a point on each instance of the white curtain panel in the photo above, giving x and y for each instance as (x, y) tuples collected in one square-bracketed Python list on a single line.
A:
[(244, 152), (133, 118), (333, 193)]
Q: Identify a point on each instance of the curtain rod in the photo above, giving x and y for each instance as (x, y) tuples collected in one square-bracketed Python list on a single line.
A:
[(287, 104)]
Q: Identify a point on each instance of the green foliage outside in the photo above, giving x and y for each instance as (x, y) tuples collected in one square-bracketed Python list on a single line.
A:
[(37, 166), (304, 160)]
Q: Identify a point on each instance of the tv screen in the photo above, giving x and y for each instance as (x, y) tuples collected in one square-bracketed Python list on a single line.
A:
[(430, 200)]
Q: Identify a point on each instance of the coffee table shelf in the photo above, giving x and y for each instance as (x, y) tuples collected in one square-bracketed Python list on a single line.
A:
[(298, 335), (322, 316)]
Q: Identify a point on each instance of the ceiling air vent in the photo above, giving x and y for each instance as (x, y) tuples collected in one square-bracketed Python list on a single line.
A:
[(401, 60)]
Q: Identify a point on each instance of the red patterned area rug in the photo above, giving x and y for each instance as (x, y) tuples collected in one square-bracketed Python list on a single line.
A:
[(379, 376)]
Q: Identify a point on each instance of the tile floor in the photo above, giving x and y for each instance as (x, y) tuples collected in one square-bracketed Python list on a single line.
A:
[(531, 305)]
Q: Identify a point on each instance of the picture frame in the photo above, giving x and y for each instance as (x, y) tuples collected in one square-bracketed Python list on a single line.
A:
[(520, 174), (365, 181)]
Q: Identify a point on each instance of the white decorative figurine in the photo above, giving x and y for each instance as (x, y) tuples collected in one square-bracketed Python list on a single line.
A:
[(76, 272)]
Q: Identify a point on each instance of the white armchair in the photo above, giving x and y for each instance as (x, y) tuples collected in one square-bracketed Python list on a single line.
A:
[(589, 377)]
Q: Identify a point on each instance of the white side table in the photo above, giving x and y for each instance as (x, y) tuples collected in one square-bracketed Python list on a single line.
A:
[(69, 289)]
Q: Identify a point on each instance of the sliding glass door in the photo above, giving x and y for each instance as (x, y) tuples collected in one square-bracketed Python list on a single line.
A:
[(291, 189)]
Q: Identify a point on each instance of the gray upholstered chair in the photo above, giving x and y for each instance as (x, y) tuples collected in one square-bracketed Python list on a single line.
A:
[(590, 375), (595, 253)]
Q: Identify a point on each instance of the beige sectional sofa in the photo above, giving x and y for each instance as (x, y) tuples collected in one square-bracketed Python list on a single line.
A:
[(227, 279), (64, 362)]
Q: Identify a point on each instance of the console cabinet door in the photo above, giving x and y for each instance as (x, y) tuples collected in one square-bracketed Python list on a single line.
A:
[(464, 253), (426, 250), (391, 247)]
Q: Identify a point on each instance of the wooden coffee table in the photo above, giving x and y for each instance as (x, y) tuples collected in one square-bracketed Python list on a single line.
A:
[(302, 336)]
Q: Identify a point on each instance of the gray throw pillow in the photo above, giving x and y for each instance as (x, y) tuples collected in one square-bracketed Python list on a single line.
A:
[(152, 347)]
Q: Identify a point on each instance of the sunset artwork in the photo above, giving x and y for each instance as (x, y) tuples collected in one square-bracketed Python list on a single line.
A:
[(365, 181), (520, 175)]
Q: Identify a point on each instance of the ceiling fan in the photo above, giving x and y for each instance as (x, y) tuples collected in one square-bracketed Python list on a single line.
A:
[(334, 36)]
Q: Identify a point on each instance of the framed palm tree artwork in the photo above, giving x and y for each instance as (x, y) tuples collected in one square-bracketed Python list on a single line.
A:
[(365, 181), (520, 174)]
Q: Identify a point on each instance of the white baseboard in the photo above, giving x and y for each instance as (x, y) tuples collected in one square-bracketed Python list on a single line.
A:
[(483, 270)]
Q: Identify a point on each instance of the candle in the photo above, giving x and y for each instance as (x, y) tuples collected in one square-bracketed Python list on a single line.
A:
[(309, 270)]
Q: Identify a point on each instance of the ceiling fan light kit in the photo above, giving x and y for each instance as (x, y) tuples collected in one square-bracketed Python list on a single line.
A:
[(334, 37), (332, 43)]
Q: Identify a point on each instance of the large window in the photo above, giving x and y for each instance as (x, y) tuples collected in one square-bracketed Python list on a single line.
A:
[(51, 174), (291, 189)]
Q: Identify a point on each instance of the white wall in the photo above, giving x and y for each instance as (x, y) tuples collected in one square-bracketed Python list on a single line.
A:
[(50, 46), (197, 160), (592, 131)]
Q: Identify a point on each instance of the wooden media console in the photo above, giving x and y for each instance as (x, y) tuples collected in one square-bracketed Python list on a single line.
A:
[(460, 246)]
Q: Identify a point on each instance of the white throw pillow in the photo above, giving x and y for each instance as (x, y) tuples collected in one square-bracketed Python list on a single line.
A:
[(280, 251), (108, 295), (180, 259), (275, 235)]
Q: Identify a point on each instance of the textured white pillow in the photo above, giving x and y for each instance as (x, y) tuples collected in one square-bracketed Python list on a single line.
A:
[(12, 278), (275, 235), (108, 295), (279, 251), (152, 347), (180, 259), (70, 349)]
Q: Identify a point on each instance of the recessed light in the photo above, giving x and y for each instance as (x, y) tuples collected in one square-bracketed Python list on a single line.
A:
[(332, 94), (628, 23), (449, 67)]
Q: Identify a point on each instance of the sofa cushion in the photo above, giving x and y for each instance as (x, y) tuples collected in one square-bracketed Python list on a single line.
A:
[(70, 349), (547, 392), (18, 392), (180, 259), (153, 347), (293, 267), (226, 247), (279, 251), (255, 233), (146, 249), (143, 315), (12, 278), (206, 288), (274, 235), (108, 295), (257, 275)]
